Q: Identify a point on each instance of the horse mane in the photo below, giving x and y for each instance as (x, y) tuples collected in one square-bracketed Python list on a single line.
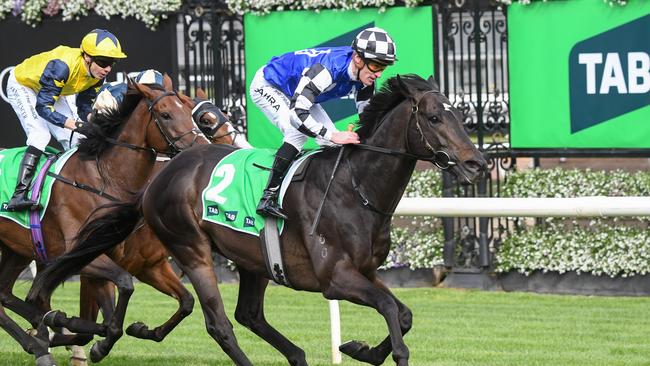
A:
[(108, 124), (388, 97)]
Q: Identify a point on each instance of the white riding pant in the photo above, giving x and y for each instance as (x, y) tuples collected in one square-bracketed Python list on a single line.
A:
[(38, 130), (275, 106)]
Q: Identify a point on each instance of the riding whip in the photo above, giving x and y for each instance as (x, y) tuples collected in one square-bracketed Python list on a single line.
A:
[(322, 202)]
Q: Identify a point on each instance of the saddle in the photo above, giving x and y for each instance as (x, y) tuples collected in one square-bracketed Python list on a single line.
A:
[(40, 190)]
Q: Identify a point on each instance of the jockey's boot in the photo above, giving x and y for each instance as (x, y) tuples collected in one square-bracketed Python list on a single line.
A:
[(268, 205), (19, 201)]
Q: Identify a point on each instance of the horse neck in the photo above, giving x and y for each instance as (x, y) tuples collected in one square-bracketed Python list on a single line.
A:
[(384, 177), (129, 168)]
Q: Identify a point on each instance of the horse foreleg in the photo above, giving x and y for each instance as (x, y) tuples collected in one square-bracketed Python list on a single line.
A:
[(352, 286), (104, 268), (250, 313), (162, 277), (201, 274), (28, 343), (373, 355), (11, 265)]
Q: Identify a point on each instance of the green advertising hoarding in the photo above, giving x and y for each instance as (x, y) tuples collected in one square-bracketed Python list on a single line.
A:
[(579, 74), (287, 31)]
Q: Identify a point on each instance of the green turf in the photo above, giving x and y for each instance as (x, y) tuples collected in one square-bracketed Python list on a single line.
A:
[(451, 327)]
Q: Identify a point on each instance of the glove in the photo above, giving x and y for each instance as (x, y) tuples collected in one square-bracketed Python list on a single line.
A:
[(83, 128)]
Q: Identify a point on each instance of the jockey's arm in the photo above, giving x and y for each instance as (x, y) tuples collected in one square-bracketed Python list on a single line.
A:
[(313, 82), (52, 80)]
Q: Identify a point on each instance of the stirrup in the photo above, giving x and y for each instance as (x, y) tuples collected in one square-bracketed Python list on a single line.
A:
[(269, 208), (22, 205)]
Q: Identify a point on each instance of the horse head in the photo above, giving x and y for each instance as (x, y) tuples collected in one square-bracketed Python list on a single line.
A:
[(172, 129), (436, 131)]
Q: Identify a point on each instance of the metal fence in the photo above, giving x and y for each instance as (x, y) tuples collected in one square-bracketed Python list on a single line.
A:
[(471, 68), (211, 56)]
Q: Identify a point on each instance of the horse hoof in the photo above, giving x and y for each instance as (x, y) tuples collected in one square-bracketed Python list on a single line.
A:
[(359, 351), (45, 360), (353, 347), (137, 330), (78, 356), (78, 361), (96, 355), (55, 318)]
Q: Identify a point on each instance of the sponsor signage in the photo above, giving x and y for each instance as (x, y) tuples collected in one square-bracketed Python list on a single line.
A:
[(289, 31), (579, 75)]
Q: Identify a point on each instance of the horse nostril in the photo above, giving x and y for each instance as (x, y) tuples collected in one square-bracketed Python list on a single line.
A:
[(476, 166)]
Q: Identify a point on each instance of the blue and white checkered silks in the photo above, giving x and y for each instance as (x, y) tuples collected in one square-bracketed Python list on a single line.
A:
[(375, 44), (150, 76), (110, 95)]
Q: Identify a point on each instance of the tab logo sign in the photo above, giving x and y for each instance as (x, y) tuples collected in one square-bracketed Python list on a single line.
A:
[(609, 74), (213, 210)]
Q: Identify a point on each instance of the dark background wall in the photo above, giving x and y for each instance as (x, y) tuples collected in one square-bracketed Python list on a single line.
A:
[(145, 49)]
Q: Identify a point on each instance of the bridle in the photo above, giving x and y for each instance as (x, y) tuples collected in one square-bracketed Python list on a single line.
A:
[(171, 141), (439, 158)]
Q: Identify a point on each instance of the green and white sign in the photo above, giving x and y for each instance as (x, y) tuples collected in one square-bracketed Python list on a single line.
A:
[(287, 31), (579, 74)]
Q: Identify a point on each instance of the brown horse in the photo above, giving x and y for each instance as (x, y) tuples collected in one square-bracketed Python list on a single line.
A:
[(143, 256), (124, 143), (408, 120)]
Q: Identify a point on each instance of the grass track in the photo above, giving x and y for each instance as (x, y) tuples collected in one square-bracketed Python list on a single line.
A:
[(451, 328)]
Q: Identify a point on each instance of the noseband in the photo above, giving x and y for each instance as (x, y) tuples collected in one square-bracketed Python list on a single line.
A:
[(171, 141)]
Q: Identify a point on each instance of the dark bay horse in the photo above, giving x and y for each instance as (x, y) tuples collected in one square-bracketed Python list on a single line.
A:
[(409, 119), (116, 159)]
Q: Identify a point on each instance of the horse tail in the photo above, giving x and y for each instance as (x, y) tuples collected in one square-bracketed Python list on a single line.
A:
[(99, 234)]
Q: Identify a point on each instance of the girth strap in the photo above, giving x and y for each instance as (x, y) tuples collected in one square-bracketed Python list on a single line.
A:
[(34, 215), (82, 186)]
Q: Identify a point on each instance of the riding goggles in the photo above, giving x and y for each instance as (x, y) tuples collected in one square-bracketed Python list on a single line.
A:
[(375, 67), (104, 62)]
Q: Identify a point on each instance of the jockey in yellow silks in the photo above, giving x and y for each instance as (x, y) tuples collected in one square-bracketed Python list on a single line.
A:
[(37, 88)]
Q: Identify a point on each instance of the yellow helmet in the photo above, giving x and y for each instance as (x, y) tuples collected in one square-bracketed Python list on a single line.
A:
[(100, 42)]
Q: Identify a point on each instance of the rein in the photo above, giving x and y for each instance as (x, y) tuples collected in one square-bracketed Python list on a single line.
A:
[(440, 158), (171, 142), (170, 154)]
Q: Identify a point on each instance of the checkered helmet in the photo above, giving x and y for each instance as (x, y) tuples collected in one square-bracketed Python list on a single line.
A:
[(375, 44)]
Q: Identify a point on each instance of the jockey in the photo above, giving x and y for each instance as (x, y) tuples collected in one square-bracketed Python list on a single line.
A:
[(290, 88), (111, 95), (36, 89)]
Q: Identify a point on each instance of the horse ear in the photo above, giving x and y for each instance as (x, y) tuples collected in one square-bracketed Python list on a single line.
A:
[(186, 100), (143, 89), (167, 83), (406, 89), (201, 94), (434, 85)]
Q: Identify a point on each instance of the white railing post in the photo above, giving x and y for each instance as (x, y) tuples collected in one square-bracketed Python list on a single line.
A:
[(335, 325)]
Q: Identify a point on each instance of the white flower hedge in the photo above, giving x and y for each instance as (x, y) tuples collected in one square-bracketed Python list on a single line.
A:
[(32, 11), (152, 11), (601, 246), (613, 247)]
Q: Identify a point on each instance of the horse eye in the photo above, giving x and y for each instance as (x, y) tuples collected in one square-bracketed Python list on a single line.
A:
[(165, 115), (434, 119)]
